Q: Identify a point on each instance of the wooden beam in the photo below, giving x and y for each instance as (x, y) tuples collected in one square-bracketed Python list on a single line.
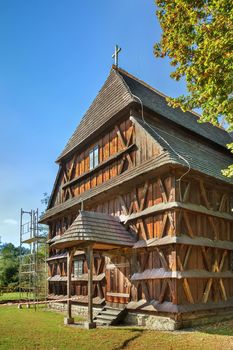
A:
[(130, 135), (186, 193), (68, 189), (163, 290), (189, 227), (123, 205), (152, 167), (119, 134), (187, 257), (162, 259), (184, 239), (70, 256), (185, 281), (90, 282), (172, 205), (162, 273), (162, 189), (204, 195), (172, 194), (144, 195), (171, 220), (98, 167), (207, 291), (205, 258), (163, 226), (119, 295), (222, 203)]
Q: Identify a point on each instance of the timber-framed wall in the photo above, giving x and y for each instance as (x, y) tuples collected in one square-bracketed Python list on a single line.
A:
[(181, 216)]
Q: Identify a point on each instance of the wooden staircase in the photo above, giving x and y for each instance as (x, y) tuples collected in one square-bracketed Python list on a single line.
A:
[(110, 316)]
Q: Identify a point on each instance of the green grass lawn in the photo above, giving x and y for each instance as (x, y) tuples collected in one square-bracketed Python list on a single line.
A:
[(13, 296), (44, 329)]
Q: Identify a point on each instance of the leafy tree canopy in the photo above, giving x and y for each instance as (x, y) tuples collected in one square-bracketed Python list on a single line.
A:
[(197, 37), (9, 263)]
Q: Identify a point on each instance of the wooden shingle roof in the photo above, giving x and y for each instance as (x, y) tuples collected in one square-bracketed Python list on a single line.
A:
[(156, 101), (113, 97), (118, 92), (200, 157), (97, 228)]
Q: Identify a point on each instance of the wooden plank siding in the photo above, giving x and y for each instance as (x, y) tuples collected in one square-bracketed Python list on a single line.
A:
[(112, 143), (182, 220), (158, 206), (154, 262), (79, 284)]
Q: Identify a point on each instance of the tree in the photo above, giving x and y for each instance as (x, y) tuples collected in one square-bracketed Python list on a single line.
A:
[(9, 264), (197, 37)]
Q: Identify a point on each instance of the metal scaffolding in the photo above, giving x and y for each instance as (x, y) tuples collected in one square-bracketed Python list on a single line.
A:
[(33, 266)]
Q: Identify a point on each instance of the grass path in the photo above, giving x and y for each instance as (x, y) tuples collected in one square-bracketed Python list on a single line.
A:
[(43, 329)]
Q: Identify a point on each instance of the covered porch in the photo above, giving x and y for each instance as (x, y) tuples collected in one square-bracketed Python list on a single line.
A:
[(91, 231)]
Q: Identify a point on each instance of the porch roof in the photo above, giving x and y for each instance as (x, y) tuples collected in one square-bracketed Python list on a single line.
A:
[(101, 230)]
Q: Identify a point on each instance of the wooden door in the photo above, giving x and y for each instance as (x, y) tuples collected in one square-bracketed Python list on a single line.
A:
[(118, 280)]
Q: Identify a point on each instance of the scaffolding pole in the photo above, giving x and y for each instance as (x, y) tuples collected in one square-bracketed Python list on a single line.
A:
[(33, 266)]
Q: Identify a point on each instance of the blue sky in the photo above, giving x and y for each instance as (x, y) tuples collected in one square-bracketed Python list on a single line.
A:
[(54, 57)]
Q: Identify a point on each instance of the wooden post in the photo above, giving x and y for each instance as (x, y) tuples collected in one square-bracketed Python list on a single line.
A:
[(69, 319), (90, 324), (133, 269)]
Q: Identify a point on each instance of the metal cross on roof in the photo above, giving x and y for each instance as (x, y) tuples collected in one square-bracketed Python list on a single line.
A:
[(115, 55)]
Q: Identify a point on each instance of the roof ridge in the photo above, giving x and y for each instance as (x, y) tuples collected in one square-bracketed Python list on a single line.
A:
[(121, 70), (116, 69)]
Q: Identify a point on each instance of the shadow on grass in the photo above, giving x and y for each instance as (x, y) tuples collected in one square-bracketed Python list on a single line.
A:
[(127, 341)]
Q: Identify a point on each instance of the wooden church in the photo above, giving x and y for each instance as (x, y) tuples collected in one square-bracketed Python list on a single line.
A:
[(140, 216)]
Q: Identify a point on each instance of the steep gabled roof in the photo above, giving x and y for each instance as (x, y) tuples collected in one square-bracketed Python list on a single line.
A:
[(156, 101), (199, 156), (111, 99), (118, 91)]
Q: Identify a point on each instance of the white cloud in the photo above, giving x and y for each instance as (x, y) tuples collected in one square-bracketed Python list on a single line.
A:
[(10, 222)]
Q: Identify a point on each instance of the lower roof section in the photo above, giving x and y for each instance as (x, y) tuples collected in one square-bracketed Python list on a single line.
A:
[(100, 230), (154, 306), (184, 239)]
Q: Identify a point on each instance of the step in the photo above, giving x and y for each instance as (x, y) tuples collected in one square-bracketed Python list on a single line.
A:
[(109, 313), (105, 317), (112, 308), (109, 316), (103, 322)]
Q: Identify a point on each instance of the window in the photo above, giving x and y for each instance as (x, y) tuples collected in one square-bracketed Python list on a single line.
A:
[(94, 157), (78, 268)]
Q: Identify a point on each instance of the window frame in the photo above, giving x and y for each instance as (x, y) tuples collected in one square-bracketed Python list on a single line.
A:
[(78, 270), (94, 157)]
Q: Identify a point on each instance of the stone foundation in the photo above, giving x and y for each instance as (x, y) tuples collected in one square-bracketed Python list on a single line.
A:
[(155, 322), (77, 309)]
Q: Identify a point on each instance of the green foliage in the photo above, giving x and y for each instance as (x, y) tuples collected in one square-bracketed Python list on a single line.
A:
[(197, 37), (9, 265)]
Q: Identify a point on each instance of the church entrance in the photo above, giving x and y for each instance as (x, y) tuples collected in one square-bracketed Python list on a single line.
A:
[(118, 280)]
